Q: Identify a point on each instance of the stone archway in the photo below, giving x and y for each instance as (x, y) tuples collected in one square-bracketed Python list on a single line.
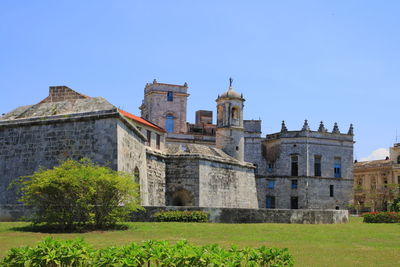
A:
[(182, 197)]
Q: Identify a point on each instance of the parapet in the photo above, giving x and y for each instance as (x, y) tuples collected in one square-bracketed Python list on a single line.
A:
[(165, 87), (252, 126), (321, 133)]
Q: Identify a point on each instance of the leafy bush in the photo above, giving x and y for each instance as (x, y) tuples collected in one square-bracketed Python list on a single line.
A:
[(381, 217), (51, 252), (79, 195), (181, 216), (151, 253), (395, 206)]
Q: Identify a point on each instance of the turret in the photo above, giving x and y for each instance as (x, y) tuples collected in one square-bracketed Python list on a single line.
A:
[(230, 131)]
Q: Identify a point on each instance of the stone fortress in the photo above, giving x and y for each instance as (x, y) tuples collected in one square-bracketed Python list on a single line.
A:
[(227, 165)]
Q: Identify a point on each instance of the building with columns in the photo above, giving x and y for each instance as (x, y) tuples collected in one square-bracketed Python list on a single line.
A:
[(377, 182)]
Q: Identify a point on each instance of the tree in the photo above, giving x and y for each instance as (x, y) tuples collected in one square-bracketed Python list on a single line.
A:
[(79, 195)]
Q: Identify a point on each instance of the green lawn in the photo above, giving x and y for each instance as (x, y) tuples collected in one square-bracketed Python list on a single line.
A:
[(352, 244)]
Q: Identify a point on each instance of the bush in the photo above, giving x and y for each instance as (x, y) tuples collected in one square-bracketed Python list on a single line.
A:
[(181, 216), (79, 195), (381, 217), (151, 253), (395, 206)]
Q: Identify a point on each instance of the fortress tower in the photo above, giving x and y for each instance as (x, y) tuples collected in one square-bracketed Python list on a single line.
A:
[(230, 131), (165, 105)]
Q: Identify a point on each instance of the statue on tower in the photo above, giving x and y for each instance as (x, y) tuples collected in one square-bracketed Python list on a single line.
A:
[(230, 81)]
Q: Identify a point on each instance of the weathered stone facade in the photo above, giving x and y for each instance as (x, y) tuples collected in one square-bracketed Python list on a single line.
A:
[(163, 102), (227, 165)]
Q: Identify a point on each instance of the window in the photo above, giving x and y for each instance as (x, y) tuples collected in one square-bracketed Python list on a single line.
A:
[(398, 179), (295, 165), (148, 137), (294, 203), (270, 202), (158, 141), (235, 113), (331, 190), (398, 159), (338, 167), (271, 184), (317, 165), (294, 184), (270, 167), (170, 96), (169, 123)]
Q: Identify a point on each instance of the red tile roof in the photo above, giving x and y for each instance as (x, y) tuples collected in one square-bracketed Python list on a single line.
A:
[(140, 120)]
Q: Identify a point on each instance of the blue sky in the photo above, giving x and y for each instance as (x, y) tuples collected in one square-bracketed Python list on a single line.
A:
[(336, 61)]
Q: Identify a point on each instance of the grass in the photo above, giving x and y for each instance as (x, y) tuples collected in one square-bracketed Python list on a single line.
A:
[(352, 244)]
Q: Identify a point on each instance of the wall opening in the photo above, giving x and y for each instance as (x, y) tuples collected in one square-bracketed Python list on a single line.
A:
[(169, 123), (182, 197)]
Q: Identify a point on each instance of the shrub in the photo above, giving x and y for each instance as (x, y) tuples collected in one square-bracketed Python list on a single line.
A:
[(395, 206), (181, 216), (381, 217), (52, 252), (79, 195)]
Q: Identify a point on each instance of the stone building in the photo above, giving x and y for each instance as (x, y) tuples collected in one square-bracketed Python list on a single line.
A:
[(324, 159), (377, 182), (307, 169), (70, 125), (177, 163)]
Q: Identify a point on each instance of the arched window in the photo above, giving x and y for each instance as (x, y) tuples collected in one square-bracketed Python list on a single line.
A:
[(169, 123), (136, 175), (235, 113), (398, 160)]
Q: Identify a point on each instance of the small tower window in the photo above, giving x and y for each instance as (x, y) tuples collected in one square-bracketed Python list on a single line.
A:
[(331, 190), (270, 203), (398, 160), (271, 184), (294, 184), (295, 165), (148, 138), (169, 123), (158, 141), (294, 202), (170, 96), (317, 165), (337, 167)]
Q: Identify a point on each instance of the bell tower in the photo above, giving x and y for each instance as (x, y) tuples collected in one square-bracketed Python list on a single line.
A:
[(230, 131)]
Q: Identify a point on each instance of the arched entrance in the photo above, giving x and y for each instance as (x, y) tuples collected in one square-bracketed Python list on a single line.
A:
[(182, 197)]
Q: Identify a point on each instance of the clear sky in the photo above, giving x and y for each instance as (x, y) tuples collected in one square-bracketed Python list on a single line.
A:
[(336, 61)]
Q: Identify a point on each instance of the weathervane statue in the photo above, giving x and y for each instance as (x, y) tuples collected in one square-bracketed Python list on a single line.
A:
[(230, 81)]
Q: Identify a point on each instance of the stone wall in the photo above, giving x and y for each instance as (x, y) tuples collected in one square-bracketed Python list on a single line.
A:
[(253, 146), (312, 193), (156, 178), (26, 145), (229, 215), (226, 185), (182, 181), (132, 157)]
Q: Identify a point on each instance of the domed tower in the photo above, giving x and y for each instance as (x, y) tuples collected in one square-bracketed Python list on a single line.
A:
[(230, 132)]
